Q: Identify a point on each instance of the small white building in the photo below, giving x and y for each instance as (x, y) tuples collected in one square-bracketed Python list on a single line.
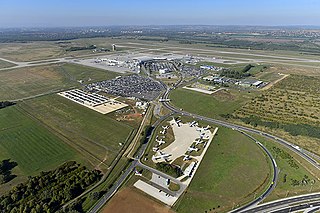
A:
[(206, 67), (142, 104), (209, 78), (164, 71)]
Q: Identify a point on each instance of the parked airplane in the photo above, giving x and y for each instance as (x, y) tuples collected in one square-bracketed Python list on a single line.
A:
[(200, 129), (191, 149), (163, 132), (199, 141), (155, 149), (162, 155), (165, 127), (186, 158), (178, 122), (207, 127), (203, 128), (160, 142), (193, 123)]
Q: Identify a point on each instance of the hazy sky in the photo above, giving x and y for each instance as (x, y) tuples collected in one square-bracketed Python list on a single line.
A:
[(52, 13)]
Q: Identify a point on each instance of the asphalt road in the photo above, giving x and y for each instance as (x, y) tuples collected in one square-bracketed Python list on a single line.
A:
[(164, 175), (297, 207), (269, 207)]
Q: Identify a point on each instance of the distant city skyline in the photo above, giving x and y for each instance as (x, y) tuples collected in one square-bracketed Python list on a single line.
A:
[(59, 13)]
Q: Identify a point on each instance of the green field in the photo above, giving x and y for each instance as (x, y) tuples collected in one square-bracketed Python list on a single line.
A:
[(95, 135), (233, 171), (223, 102), (5, 64), (31, 81), (288, 173), (32, 146)]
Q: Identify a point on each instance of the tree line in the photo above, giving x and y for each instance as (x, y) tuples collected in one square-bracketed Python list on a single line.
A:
[(4, 104), (49, 191), (243, 73), (5, 170), (293, 129)]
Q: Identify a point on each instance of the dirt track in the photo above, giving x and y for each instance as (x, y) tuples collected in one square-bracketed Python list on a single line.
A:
[(129, 200), (275, 82)]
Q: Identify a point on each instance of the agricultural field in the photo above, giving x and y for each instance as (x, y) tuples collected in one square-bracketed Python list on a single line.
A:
[(215, 105), (237, 169), (292, 106), (290, 101), (96, 136), (32, 81), (32, 146)]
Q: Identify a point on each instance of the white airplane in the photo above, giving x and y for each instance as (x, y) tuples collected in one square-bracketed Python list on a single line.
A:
[(191, 149), (200, 129), (193, 123), (155, 149), (204, 145), (162, 155), (163, 132), (178, 122), (207, 127), (165, 127), (198, 141), (160, 142), (203, 128), (186, 158)]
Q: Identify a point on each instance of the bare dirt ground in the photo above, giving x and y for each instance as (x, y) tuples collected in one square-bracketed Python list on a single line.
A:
[(132, 201)]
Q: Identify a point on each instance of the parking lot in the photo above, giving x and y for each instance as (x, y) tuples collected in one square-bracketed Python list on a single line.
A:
[(93, 101), (129, 86), (190, 71), (158, 65)]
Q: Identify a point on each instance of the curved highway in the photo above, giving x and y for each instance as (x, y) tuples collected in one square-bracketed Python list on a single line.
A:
[(303, 201), (274, 178)]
